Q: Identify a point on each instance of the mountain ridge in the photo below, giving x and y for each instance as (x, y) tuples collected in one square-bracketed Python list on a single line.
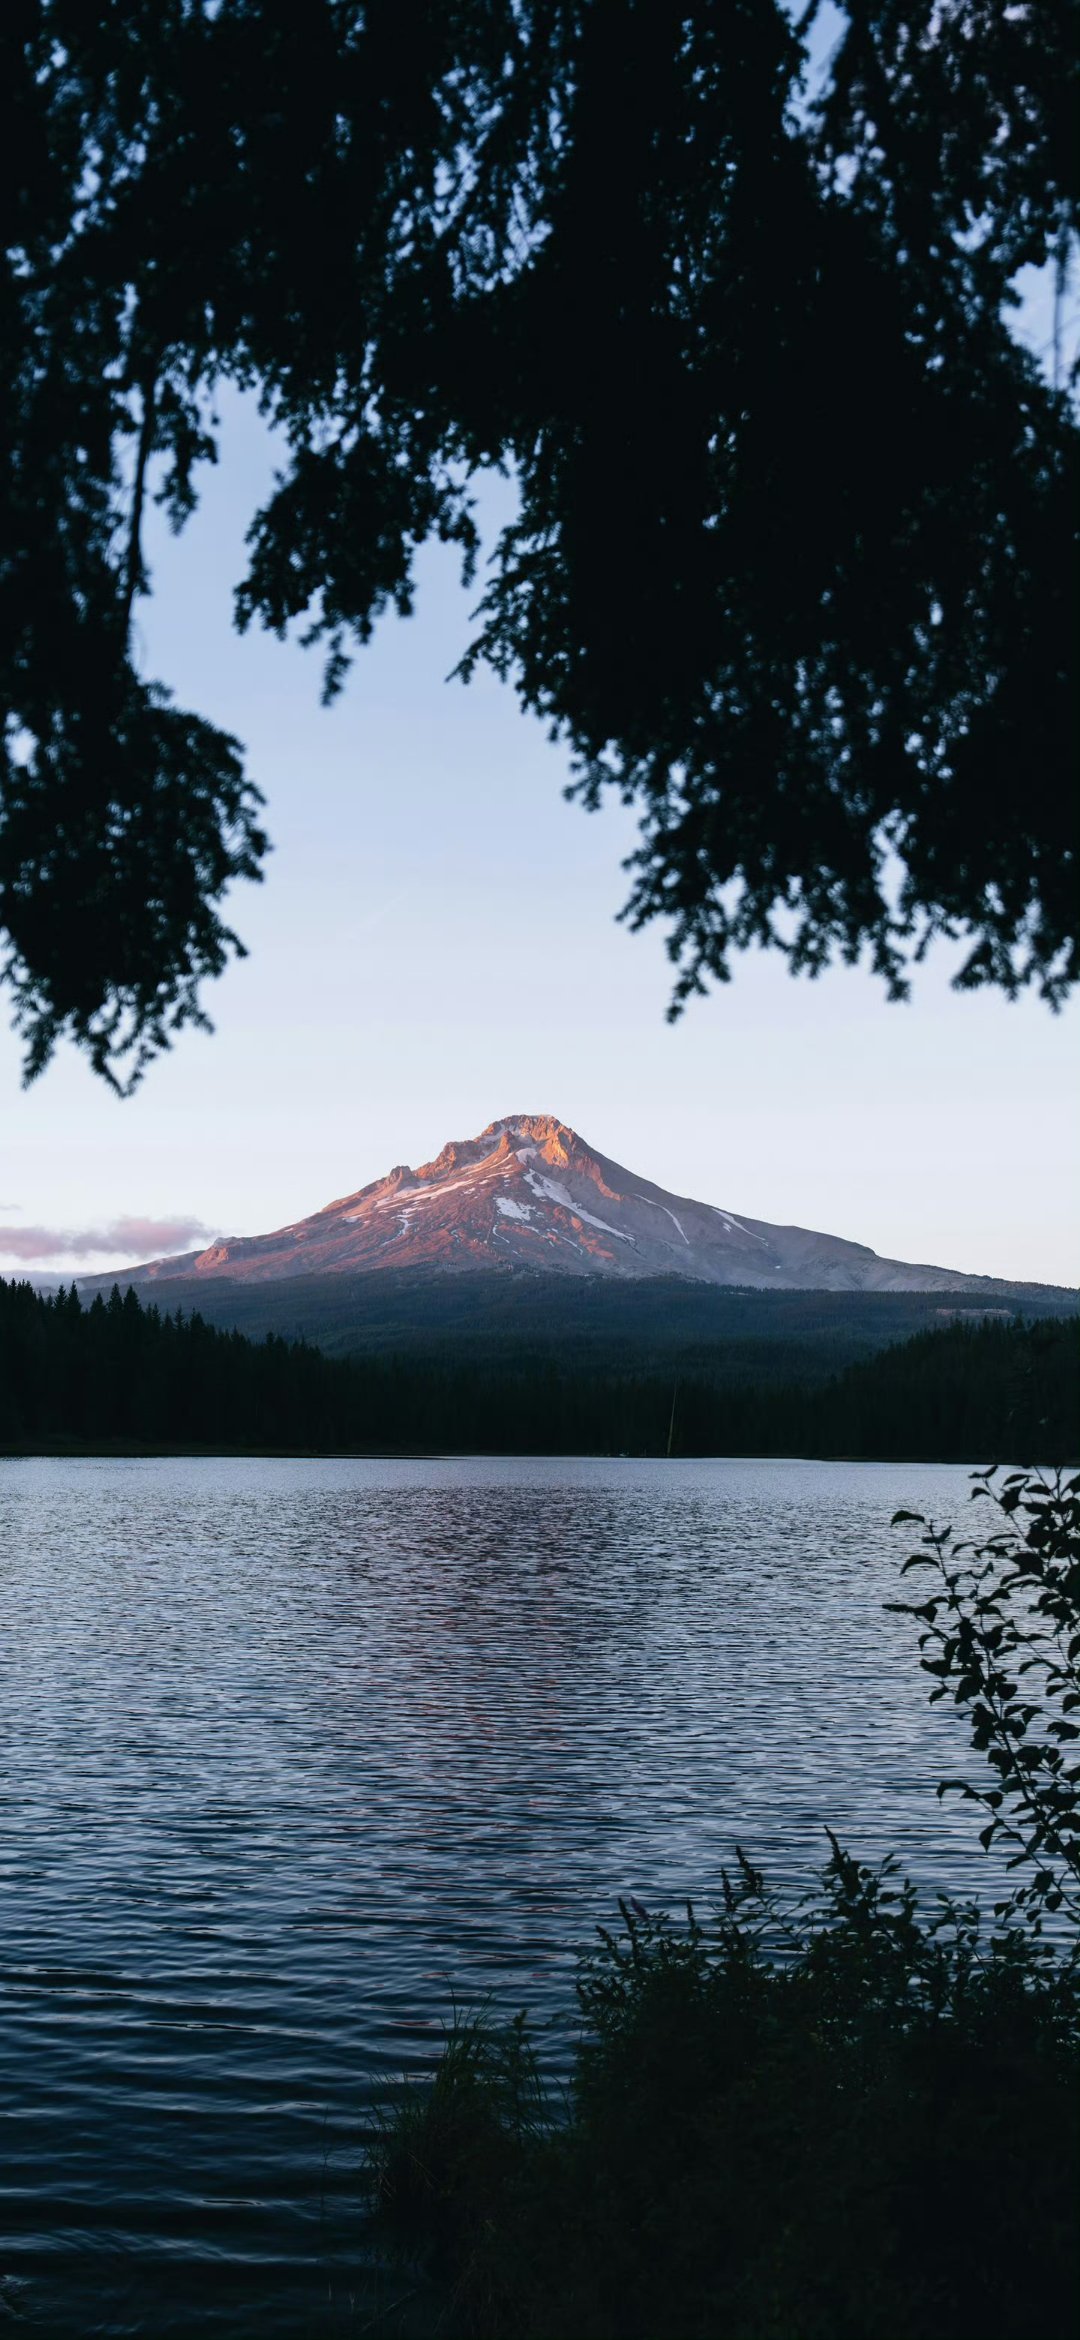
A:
[(529, 1193)]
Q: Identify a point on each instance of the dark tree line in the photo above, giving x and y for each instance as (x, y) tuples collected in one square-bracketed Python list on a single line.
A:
[(791, 564), (117, 1373)]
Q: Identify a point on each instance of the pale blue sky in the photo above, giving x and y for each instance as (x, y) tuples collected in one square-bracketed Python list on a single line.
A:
[(434, 946)]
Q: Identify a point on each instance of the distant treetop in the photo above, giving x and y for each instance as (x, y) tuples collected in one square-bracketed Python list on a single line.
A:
[(792, 561)]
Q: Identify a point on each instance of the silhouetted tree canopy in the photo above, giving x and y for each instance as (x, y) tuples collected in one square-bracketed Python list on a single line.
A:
[(792, 561)]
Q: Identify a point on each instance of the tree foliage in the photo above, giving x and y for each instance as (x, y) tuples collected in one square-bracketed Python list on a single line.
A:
[(790, 565), (1000, 1630)]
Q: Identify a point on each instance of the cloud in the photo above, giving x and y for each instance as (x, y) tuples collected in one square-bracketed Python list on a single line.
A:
[(133, 1239)]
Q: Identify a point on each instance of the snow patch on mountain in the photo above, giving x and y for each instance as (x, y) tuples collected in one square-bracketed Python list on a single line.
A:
[(558, 1194), (659, 1206)]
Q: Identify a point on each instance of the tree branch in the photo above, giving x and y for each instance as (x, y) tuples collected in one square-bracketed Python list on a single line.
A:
[(133, 566)]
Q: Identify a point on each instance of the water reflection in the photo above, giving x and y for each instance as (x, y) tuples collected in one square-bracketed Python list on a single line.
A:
[(292, 1751)]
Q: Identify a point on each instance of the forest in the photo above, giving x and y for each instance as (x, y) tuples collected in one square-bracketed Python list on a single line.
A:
[(491, 1317), (118, 1376)]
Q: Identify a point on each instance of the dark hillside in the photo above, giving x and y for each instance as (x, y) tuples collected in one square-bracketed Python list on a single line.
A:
[(506, 1320)]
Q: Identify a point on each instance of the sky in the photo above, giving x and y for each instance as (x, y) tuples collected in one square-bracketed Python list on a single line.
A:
[(435, 945)]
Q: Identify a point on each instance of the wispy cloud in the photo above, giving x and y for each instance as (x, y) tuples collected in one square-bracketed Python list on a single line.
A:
[(130, 1239)]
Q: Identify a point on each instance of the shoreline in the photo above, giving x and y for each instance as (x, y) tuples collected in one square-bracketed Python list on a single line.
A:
[(130, 1451)]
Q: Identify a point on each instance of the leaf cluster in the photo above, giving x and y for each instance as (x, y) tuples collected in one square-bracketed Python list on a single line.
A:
[(790, 565)]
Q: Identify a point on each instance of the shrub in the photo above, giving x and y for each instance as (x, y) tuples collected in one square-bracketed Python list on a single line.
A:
[(837, 2118), (797, 2122)]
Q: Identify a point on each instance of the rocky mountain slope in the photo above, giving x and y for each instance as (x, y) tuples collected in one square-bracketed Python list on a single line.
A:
[(529, 1193)]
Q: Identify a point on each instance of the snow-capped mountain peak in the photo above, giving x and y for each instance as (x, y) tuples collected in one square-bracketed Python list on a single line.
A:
[(529, 1193)]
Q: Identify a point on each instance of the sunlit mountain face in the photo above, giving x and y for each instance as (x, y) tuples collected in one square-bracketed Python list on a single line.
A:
[(529, 1193)]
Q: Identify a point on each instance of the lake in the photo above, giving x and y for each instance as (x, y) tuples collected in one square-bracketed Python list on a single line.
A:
[(296, 1754)]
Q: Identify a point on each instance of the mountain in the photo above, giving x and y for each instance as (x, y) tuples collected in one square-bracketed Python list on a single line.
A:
[(528, 1193)]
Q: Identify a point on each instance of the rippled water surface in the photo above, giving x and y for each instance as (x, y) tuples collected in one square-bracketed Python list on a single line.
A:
[(294, 1752)]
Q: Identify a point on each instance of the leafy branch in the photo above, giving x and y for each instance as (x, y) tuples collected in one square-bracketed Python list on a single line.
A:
[(1001, 1631)]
